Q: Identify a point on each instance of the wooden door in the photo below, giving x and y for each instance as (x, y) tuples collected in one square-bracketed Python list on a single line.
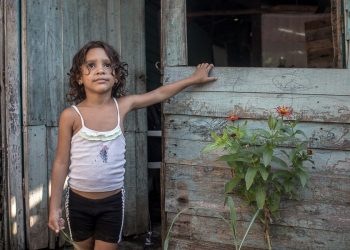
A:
[(320, 99), (40, 40)]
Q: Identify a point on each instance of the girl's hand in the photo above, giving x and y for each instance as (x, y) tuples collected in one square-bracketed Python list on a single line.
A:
[(201, 75), (56, 222)]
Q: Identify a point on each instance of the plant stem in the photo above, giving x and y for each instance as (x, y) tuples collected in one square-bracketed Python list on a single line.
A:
[(247, 231)]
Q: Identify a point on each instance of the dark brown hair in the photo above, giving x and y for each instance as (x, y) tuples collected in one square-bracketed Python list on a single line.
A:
[(76, 92)]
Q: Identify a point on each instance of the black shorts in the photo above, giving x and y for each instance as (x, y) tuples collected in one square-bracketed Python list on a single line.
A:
[(100, 218)]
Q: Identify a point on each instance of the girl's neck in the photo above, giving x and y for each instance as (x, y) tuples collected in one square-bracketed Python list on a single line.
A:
[(96, 100)]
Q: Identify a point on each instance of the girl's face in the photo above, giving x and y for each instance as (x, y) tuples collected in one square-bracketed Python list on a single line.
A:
[(97, 74)]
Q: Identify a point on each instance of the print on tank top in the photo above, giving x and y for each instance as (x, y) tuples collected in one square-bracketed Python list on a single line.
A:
[(104, 154)]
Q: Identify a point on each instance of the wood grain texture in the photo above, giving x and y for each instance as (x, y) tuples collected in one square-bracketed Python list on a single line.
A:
[(198, 128), (177, 152), (269, 80), (173, 33), (132, 50), (194, 178), (209, 231), (331, 189), (36, 186), (13, 116)]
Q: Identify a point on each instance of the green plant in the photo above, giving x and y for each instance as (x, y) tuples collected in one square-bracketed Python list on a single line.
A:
[(232, 223), (263, 169)]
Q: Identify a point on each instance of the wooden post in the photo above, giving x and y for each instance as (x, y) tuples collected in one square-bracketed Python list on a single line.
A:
[(173, 33), (173, 53), (13, 137)]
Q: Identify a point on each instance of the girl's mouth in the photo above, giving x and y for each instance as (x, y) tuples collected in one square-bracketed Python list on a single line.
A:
[(101, 80)]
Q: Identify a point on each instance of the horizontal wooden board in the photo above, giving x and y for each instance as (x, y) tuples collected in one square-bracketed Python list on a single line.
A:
[(211, 180), (320, 135), (182, 244), (306, 214), (268, 80), (190, 152), (213, 232), (310, 108)]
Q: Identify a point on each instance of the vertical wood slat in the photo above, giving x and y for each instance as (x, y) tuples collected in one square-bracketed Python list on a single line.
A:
[(173, 33), (13, 140), (54, 46), (4, 222), (347, 32), (70, 40), (34, 61), (132, 49), (36, 188)]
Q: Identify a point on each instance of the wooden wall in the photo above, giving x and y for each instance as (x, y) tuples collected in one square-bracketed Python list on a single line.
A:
[(190, 178), (40, 40), (320, 98)]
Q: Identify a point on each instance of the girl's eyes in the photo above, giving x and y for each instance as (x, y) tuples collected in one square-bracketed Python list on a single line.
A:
[(93, 65)]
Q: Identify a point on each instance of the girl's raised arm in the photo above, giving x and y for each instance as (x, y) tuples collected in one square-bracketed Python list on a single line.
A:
[(60, 168), (200, 76)]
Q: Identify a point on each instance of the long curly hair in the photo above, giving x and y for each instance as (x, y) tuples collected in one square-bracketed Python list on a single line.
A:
[(76, 91)]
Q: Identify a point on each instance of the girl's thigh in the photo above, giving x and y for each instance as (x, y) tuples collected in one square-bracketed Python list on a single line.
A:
[(105, 245)]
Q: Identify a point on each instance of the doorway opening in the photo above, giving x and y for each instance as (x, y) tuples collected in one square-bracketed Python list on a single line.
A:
[(266, 33)]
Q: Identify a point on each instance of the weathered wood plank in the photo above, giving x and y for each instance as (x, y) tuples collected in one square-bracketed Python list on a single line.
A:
[(71, 40), (51, 142), (142, 215), (113, 24), (173, 33), (84, 12), (36, 65), (132, 49), (192, 228), (54, 97), (320, 135), (98, 20), (182, 244), (269, 80), (13, 117), (189, 152), (306, 214), (4, 219), (36, 186), (329, 189), (311, 108)]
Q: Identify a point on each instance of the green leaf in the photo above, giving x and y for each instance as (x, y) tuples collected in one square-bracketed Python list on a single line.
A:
[(230, 185), (249, 177), (302, 177), (233, 215), (262, 133), (267, 155), (275, 202), (279, 162), (271, 122), (281, 173), (233, 158), (264, 173), (260, 197), (299, 132)]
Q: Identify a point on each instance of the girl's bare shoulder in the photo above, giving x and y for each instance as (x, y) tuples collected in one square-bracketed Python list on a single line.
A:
[(68, 116)]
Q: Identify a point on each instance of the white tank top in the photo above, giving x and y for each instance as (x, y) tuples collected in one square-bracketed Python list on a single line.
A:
[(97, 158)]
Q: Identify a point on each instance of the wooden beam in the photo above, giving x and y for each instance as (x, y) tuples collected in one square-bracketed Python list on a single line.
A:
[(13, 140), (173, 33)]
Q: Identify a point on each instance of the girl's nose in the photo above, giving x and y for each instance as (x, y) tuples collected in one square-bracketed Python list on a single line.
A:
[(100, 69)]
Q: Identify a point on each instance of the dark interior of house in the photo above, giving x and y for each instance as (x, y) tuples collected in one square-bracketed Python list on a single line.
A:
[(264, 33)]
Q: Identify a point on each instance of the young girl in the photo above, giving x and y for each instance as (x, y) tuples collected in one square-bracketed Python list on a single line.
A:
[(91, 145)]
